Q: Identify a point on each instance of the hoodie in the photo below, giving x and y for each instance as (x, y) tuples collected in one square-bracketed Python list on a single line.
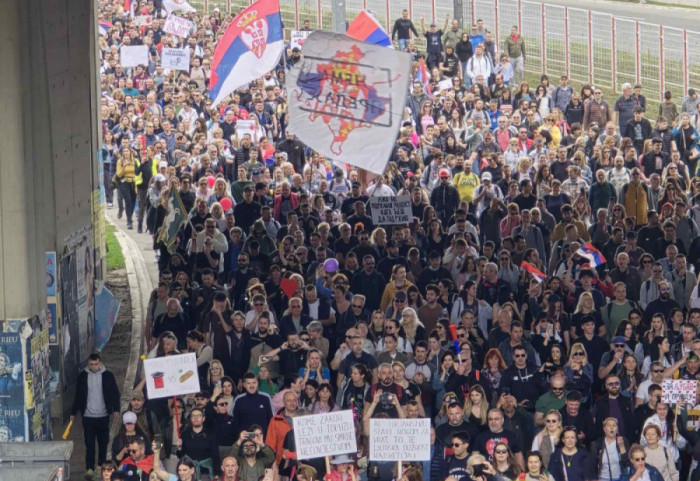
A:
[(95, 407)]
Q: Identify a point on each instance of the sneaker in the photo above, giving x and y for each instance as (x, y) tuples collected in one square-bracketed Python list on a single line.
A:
[(130, 226), (139, 229), (109, 205), (89, 475)]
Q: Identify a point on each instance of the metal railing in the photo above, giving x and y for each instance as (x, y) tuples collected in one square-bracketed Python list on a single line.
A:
[(591, 47)]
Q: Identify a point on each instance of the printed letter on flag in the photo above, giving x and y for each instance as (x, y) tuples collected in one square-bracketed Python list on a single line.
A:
[(251, 46), (346, 99)]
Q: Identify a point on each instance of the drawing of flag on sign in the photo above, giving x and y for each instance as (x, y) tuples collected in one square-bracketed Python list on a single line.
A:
[(536, 273), (366, 28), (251, 46), (592, 254), (346, 99)]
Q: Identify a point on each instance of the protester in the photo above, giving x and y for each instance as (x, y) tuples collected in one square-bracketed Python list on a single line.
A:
[(523, 303)]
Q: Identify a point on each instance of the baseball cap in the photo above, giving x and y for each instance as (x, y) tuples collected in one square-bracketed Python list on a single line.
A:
[(137, 395), (444, 173), (486, 176), (163, 165), (129, 417), (159, 178), (356, 184), (619, 340)]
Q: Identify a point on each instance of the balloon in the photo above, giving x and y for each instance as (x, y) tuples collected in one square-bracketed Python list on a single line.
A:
[(210, 181), (288, 286), (226, 203), (331, 265)]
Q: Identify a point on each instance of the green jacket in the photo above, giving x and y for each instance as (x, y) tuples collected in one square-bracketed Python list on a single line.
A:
[(514, 48), (264, 459)]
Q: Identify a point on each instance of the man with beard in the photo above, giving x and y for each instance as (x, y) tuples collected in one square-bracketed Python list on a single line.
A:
[(487, 440), (264, 341), (616, 406), (385, 396), (663, 305), (199, 444)]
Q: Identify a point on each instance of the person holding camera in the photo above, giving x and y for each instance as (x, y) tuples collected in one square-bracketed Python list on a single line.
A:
[(386, 396), (254, 457)]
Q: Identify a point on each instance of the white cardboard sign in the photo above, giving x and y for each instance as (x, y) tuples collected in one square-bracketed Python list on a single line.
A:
[(134, 55), (445, 85), (143, 20), (391, 210), (171, 376), (178, 26), (298, 37), (245, 127), (176, 58), (675, 391), (327, 434), (399, 439)]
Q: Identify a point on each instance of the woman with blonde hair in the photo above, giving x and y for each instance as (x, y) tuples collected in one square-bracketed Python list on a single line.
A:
[(584, 308), (215, 374), (546, 440), (412, 326), (398, 282), (579, 373), (476, 406)]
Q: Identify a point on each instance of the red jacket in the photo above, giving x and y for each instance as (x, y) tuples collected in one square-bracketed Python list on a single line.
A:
[(145, 465), (277, 208), (276, 431)]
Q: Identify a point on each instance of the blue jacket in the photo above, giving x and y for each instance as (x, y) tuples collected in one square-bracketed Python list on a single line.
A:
[(654, 474)]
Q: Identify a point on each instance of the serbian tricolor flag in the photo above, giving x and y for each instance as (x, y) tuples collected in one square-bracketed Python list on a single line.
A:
[(423, 76), (536, 273), (250, 47), (366, 28), (104, 26), (592, 254)]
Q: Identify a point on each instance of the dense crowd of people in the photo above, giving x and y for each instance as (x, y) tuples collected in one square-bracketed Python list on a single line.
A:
[(296, 303)]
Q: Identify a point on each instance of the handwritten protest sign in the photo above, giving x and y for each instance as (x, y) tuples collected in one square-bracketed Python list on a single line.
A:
[(178, 26), (171, 376), (674, 391), (176, 58), (324, 435), (399, 439), (134, 55), (298, 37), (391, 210), (445, 85)]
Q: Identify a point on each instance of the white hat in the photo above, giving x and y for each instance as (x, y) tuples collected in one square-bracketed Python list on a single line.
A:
[(486, 176), (159, 178), (342, 459), (129, 417), (163, 165)]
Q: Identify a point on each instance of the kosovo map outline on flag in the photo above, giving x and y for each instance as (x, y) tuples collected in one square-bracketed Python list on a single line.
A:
[(336, 90)]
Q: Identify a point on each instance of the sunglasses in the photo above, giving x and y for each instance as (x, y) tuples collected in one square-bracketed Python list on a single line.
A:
[(222, 404), (657, 371), (552, 421), (578, 354), (643, 458), (518, 356), (456, 445), (613, 384), (501, 451)]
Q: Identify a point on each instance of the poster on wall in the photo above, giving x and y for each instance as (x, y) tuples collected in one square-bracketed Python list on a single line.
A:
[(51, 297), (106, 311), (12, 419), (41, 382), (69, 330)]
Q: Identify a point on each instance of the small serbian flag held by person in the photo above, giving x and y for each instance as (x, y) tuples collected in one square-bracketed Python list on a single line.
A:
[(536, 273), (366, 28), (104, 26), (423, 76), (250, 47), (592, 254)]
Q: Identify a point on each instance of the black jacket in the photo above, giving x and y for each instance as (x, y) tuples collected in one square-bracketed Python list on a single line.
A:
[(110, 391), (602, 412)]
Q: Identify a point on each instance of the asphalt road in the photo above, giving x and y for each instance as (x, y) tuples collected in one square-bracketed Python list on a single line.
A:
[(668, 16)]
